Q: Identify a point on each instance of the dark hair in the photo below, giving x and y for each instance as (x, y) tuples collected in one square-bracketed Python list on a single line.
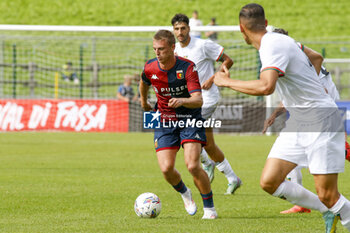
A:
[(280, 30), (254, 16), (165, 35), (181, 18)]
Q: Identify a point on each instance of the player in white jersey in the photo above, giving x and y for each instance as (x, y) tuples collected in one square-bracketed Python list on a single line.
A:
[(326, 80), (204, 53), (286, 68)]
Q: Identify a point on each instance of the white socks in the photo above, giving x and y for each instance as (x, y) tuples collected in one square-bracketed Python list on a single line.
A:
[(205, 159), (342, 207), (299, 195), (295, 175), (223, 167), (226, 168)]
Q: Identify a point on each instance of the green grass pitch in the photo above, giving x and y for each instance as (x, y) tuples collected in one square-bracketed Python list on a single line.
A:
[(88, 182)]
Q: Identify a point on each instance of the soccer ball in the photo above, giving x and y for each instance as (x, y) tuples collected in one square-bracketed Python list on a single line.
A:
[(147, 205)]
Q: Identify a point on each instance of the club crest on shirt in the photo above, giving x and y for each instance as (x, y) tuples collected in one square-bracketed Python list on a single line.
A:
[(179, 74)]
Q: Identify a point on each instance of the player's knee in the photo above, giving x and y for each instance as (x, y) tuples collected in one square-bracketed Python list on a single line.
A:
[(268, 185), (167, 170), (328, 198), (193, 168)]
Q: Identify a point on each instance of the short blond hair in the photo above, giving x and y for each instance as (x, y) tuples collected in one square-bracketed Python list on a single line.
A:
[(165, 35)]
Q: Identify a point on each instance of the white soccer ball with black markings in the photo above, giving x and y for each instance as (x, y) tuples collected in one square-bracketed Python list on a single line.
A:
[(147, 205)]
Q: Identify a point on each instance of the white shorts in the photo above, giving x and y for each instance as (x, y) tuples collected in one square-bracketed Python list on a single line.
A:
[(211, 99), (323, 152), (207, 111)]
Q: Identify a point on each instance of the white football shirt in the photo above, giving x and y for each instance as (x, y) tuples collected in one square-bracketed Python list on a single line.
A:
[(203, 53), (298, 85)]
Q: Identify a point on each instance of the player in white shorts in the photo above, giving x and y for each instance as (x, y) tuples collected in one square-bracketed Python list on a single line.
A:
[(204, 53), (314, 133), (326, 80)]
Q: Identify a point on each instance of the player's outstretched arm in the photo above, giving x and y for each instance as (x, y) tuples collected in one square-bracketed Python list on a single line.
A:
[(226, 61), (195, 101), (143, 96), (263, 86)]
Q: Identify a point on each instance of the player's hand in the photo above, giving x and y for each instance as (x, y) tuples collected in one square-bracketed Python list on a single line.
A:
[(146, 106), (222, 77), (268, 122), (207, 84), (175, 102)]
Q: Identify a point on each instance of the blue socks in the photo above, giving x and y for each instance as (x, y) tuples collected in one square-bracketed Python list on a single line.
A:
[(208, 200), (180, 187)]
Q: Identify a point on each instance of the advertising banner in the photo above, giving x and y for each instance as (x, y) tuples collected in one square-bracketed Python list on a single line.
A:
[(64, 115)]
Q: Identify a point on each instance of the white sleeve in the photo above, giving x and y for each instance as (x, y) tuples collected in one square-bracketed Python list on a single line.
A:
[(213, 50), (273, 56), (300, 45)]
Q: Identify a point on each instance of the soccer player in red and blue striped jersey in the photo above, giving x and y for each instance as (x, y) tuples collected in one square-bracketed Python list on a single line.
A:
[(175, 82)]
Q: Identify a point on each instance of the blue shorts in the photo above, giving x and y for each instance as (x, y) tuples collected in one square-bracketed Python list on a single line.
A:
[(172, 138)]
